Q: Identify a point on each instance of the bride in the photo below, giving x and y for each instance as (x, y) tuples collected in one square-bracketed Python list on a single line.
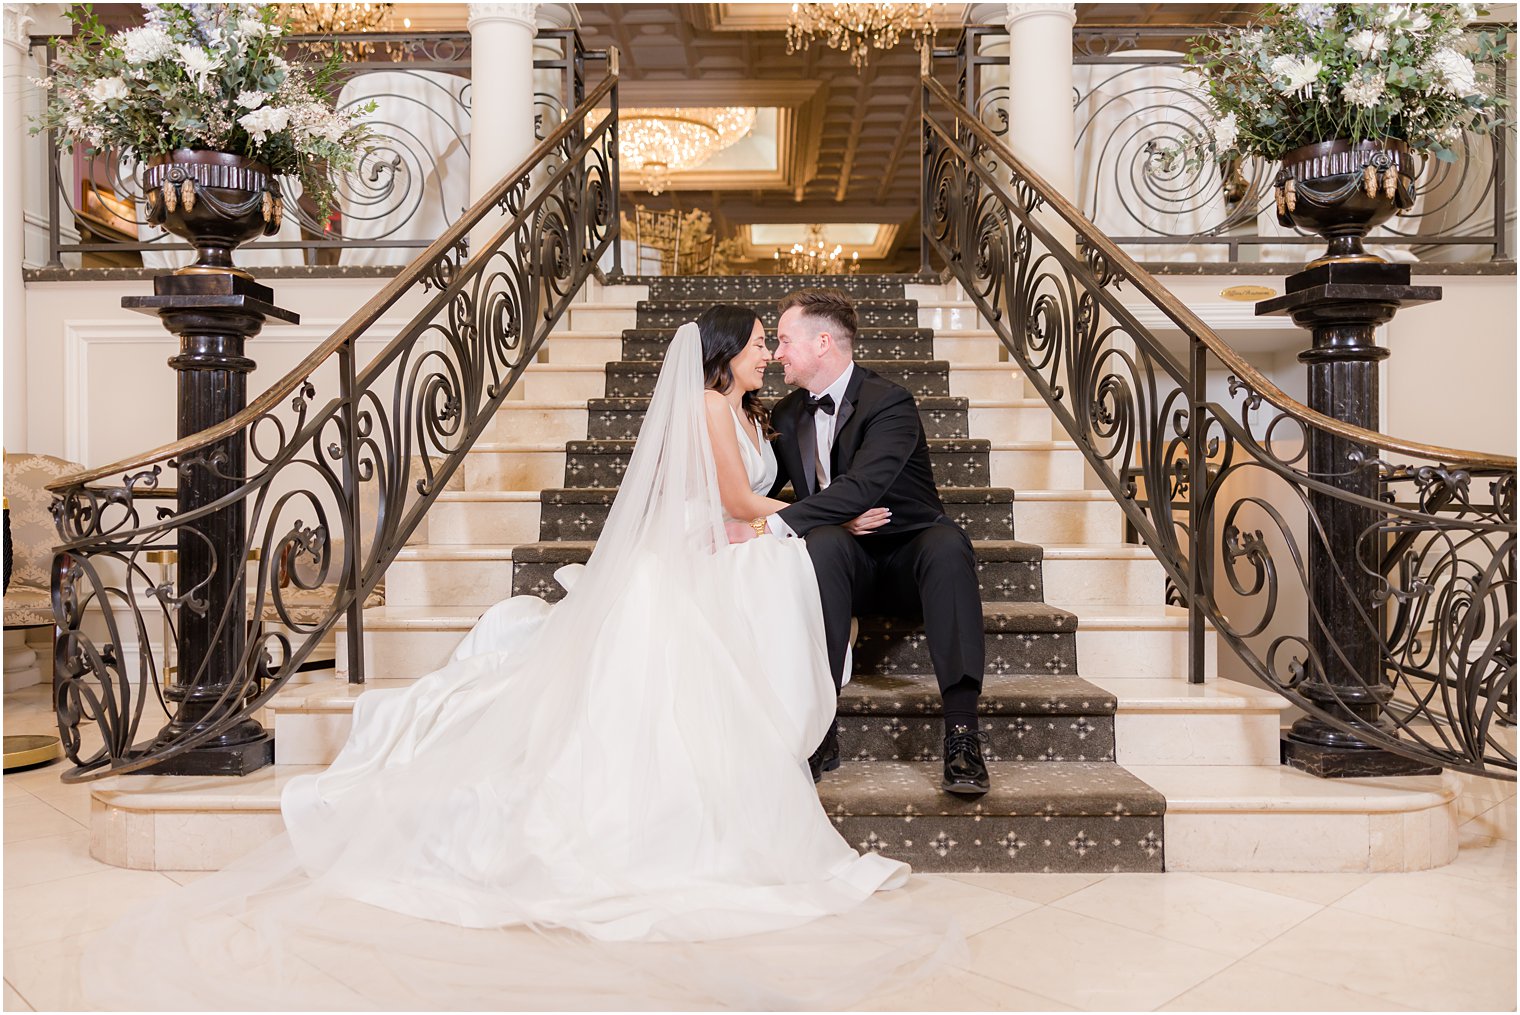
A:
[(629, 764)]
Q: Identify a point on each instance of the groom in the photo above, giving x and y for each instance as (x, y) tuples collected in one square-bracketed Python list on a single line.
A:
[(850, 440)]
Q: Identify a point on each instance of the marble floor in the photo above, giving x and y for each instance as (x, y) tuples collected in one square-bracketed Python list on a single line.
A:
[(1436, 940)]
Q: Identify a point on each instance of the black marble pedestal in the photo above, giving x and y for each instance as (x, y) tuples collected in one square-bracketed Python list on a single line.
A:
[(1343, 305), (213, 315)]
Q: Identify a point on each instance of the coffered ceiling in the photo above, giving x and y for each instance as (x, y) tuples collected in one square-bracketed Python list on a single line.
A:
[(855, 152)]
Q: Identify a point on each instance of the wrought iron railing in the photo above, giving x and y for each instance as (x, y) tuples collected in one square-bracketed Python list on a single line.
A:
[(345, 458), (410, 186), (1131, 100), (1220, 485)]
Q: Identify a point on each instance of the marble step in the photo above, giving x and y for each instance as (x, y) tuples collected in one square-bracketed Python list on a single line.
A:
[(1069, 817), (648, 345), (579, 513), (510, 517), (621, 418), (538, 422), (921, 377), (959, 462), (1020, 637), (1067, 516), (1216, 818), (1026, 718), (1009, 571), (582, 464), (872, 312), (745, 289), (473, 573)]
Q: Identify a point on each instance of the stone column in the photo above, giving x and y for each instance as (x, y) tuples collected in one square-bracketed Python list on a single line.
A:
[(1041, 124), (17, 26), (1342, 305), (501, 95)]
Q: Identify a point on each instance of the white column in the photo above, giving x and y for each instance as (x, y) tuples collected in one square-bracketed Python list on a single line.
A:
[(17, 27), (501, 91), (1041, 124)]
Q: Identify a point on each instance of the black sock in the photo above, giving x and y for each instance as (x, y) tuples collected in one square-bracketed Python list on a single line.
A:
[(960, 705)]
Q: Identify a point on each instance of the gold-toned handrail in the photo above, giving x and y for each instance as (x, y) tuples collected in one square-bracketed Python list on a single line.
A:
[(1189, 323), (362, 319)]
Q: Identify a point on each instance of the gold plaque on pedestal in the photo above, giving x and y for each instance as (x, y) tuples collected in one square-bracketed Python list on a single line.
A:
[(1248, 293)]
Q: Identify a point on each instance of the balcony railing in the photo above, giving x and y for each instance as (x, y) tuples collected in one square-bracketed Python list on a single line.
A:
[(406, 192), (1130, 99)]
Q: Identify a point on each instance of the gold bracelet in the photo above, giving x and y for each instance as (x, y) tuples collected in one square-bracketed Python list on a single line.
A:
[(758, 525)]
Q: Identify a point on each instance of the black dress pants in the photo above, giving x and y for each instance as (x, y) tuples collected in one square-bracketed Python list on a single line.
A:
[(927, 573)]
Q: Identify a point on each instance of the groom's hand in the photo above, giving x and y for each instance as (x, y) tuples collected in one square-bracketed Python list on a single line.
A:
[(868, 522), (739, 532)]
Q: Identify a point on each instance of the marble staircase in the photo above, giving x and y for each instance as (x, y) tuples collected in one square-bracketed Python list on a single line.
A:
[(1104, 757)]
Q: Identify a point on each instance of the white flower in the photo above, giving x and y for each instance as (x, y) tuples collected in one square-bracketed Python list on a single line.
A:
[(144, 45), (1454, 72), (1466, 12), (1418, 22), (1294, 73), (1226, 133), (1315, 15), (251, 99), (109, 89), (1369, 43), (252, 28), (1364, 89), (262, 122), (197, 62), (1393, 14)]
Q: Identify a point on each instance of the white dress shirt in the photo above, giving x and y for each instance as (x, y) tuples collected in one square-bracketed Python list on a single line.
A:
[(823, 428)]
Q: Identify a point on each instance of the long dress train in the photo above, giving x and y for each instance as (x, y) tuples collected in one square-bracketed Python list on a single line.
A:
[(628, 765)]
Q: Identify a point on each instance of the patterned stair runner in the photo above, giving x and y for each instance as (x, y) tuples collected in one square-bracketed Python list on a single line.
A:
[(1059, 802)]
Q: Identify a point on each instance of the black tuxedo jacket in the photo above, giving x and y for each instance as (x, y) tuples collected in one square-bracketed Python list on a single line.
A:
[(880, 458)]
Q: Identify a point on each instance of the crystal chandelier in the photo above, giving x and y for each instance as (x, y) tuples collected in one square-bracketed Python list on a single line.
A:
[(858, 28), (337, 18), (657, 142), (815, 257)]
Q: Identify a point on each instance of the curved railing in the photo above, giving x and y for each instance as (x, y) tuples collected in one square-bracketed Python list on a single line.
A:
[(335, 484), (1217, 480)]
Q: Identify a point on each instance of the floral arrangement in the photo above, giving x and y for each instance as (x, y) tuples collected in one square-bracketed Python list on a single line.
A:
[(1305, 73), (202, 76)]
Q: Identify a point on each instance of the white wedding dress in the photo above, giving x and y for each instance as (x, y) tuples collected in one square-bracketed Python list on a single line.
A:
[(629, 764)]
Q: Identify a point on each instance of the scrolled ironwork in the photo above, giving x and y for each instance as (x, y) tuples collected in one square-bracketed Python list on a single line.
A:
[(343, 460), (1132, 101), (1223, 491)]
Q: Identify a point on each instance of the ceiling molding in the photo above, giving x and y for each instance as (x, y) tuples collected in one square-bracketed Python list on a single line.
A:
[(880, 247), (761, 17), (719, 92)]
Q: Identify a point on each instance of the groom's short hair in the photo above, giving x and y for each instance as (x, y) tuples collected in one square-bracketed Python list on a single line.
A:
[(830, 306)]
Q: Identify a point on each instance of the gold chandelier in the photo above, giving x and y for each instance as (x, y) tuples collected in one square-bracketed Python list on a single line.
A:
[(815, 257), (337, 18), (657, 142), (858, 28)]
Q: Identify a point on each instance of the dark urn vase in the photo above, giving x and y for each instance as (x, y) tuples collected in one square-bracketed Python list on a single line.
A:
[(215, 201), (1340, 190)]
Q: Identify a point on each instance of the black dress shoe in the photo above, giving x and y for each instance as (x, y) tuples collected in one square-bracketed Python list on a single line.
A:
[(965, 771), (826, 758)]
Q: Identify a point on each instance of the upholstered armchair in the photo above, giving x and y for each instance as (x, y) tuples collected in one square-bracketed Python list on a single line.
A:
[(30, 541)]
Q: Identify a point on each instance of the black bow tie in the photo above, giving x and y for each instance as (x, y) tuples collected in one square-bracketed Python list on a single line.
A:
[(826, 403)]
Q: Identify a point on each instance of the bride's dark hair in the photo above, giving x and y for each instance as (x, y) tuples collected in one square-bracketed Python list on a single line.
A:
[(726, 330)]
